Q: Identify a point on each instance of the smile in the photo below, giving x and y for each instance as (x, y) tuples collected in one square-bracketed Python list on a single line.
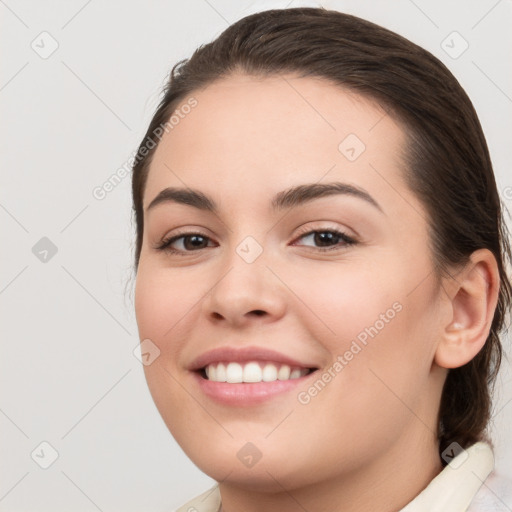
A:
[(247, 376), (252, 372)]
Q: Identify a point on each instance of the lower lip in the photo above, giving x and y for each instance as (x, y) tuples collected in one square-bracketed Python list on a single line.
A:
[(246, 393)]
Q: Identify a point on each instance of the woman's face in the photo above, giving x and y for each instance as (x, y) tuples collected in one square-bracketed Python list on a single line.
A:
[(261, 277)]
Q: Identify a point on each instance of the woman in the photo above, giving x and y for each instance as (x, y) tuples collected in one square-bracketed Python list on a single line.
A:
[(320, 261)]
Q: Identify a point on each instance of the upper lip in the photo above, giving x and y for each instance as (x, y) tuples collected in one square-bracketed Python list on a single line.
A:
[(244, 355)]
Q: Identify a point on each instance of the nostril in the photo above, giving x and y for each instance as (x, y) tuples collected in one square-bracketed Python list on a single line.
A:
[(258, 312)]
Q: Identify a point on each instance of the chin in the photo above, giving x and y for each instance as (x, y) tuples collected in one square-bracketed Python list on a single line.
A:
[(272, 472)]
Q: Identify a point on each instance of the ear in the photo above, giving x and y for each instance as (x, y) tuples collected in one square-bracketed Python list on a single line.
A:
[(473, 297)]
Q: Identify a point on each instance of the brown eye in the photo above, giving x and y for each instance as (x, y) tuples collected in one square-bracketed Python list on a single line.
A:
[(327, 239), (183, 243), (191, 242)]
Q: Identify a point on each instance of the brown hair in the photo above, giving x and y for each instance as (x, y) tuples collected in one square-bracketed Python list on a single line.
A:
[(448, 163)]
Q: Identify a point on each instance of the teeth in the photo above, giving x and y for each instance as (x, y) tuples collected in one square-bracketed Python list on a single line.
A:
[(252, 371), (221, 373), (294, 374), (284, 372), (269, 373), (234, 373)]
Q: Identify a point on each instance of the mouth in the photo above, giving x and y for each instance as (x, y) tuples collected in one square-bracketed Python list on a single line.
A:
[(252, 372), (248, 376)]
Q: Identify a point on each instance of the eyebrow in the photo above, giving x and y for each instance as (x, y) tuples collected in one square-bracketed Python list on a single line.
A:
[(291, 198)]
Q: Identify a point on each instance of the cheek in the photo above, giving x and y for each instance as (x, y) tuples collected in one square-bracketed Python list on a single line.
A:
[(379, 321), (167, 305), (344, 301), (162, 302), (390, 372), (161, 306)]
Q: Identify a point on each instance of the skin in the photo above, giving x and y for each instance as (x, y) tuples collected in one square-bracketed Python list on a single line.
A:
[(352, 446)]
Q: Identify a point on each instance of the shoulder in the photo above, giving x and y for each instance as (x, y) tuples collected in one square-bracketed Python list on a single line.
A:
[(208, 501), (495, 495)]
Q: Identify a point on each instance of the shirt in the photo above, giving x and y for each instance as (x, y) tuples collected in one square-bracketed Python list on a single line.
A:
[(466, 484)]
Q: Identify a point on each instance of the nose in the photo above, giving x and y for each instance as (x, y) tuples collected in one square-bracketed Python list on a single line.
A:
[(245, 294)]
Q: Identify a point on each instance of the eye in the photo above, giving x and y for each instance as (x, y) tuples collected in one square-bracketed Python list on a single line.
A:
[(183, 243), (321, 239), (327, 239)]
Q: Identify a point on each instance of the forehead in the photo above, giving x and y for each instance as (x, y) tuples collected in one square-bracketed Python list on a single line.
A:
[(252, 135)]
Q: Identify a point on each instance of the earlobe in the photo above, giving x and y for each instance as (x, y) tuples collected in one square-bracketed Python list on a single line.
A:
[(473, 302)]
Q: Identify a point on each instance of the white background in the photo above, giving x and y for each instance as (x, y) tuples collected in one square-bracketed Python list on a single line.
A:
[(69, 121)]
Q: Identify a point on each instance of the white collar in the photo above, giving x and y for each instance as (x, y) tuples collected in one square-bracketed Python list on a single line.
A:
[(453, 489)]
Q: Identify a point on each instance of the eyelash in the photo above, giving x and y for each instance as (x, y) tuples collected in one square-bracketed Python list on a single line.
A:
[(348, 241)]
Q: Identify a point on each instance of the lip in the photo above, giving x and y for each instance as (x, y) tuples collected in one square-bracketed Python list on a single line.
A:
[(245, 393), (245, 355)]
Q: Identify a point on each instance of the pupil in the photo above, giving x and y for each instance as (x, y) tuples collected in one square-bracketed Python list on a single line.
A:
[(193, 242), (324, 237)]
